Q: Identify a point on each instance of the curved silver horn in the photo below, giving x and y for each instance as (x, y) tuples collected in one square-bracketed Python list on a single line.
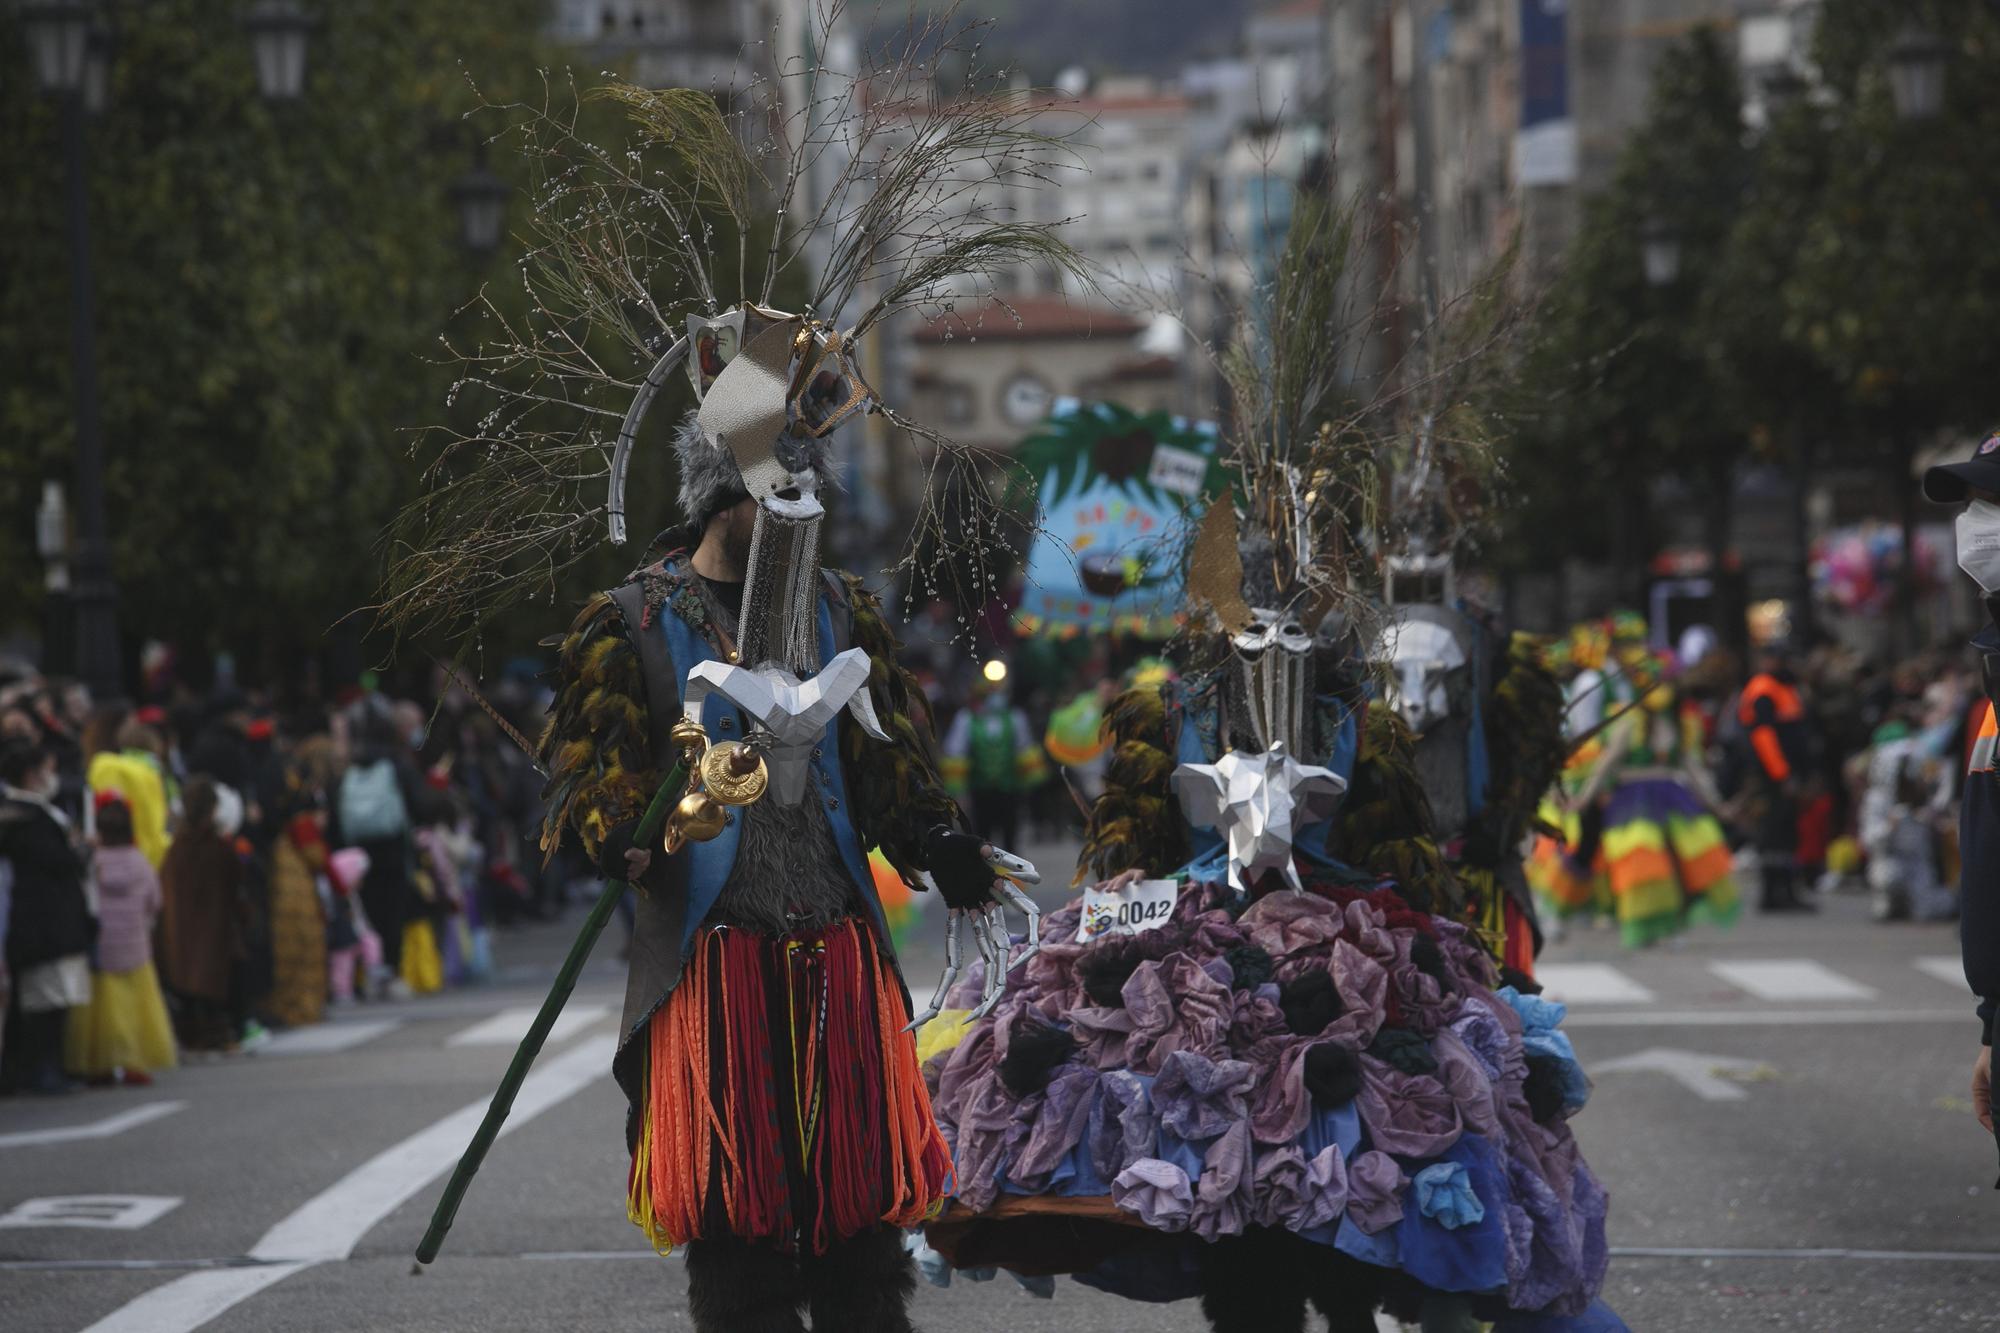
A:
[(628, 431)]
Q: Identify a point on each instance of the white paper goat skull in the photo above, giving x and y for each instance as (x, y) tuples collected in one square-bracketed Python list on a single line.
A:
[(1259, 803)]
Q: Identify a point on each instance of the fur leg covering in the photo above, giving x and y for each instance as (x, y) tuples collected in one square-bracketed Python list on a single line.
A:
[(1253, 1284), (862, 1285), (1344, 1290), (738, 1287)]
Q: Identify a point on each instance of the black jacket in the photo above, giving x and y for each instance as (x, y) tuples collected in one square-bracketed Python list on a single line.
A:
[(50, 918), (1979, 852)]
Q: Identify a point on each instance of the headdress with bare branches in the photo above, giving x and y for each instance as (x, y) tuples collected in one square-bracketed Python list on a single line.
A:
[(868, 182)]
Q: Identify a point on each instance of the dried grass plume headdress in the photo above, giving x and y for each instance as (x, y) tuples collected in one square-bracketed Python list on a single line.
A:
[(860, 187)]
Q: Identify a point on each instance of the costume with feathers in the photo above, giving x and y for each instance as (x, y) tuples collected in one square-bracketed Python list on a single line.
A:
[(1302, 1082), (778, 1124)]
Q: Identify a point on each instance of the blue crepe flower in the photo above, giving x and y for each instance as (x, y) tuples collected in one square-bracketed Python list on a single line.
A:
[(1444, 1194), (1541, 1036)]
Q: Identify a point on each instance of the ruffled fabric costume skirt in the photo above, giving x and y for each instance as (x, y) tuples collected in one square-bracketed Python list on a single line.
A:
[(1667, 860), (782, 1100), (1568, 873), (125, 1026), (1328, 1063)]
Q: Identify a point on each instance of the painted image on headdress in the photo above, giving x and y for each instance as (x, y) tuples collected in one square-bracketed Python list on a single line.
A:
[(713, 342)]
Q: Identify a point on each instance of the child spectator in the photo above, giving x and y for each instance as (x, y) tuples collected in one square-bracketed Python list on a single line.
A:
[(123, 1033), (200, 923)]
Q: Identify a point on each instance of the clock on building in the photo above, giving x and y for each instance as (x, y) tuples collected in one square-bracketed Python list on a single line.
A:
[(1024, 399)]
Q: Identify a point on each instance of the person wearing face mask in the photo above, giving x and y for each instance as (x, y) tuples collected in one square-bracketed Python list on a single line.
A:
[(50, 928), (1975, 484)]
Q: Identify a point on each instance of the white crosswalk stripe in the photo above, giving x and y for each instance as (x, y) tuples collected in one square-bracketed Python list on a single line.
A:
[(1590, 983), (1790, 979), (1946, 967), (328, 1038), (507, 1027)]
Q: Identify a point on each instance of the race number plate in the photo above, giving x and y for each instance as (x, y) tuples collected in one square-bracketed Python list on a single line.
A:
[(1143, 906)]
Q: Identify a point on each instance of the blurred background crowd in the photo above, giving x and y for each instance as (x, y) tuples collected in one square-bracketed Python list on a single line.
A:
[(181, 878)]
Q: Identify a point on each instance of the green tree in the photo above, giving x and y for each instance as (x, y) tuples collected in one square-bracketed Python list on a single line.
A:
[(1896, 287), (271, 283), (1621, 378)]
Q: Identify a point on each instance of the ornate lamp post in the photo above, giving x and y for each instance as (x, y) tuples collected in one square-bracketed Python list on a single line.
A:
[(279, 32), (481, 197), (1660, 251), (58, 34), (1916, 73), (72, 51)]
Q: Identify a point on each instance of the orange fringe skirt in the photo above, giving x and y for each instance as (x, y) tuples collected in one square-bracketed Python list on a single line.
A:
[(783, 1101)]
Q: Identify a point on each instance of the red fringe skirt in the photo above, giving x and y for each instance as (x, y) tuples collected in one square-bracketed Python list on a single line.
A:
[(783, 1101)]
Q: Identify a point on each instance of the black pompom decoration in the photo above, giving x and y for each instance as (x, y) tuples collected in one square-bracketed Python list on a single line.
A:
[(1310, 1002), (1035, 1050), (1332, 1075), (1520, 981), (1544, 1088), (1105, 970), (1251, 965), (1405, 1050), (1428, 959)]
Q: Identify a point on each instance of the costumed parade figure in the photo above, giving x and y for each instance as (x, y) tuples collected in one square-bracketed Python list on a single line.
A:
[(1486, 713), (778, 1125), (1263, 1060), (1640, 810)]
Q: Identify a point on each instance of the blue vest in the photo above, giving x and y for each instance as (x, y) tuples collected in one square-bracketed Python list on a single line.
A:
[(709, 863)]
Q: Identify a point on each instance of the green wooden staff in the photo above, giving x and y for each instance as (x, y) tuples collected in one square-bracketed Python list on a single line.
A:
[(650, 826)]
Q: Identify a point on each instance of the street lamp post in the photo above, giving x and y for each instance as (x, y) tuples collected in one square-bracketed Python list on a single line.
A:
[(1660, 252), (1916, 73), (72, 48), (59, 34), (481, 197), (279, 31)]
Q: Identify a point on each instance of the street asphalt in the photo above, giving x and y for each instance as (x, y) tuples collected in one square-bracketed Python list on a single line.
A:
[(1781, 1115)]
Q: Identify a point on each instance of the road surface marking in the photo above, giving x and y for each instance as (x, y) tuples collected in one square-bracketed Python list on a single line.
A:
[(1590, 983), (327, 1038), (328, 1226), (507, 1027), (1790, 980), (1758, 1018), (107, 1212), (1702, 1075), (1946, 967), (96, 1129), (1883, 1256)]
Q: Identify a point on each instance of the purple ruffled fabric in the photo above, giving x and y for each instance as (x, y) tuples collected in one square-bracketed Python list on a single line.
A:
[(1175, 1005), (1410, 1115), (1199, 1098), (1375, 1192), (1157, 1191), (1123, 1126), (1190, 1068), (1226, 1192)]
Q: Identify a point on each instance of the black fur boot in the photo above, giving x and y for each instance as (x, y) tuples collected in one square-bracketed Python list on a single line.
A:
[(738, 1287), (1344, 1290), (862, 1285), (1252, 1283)]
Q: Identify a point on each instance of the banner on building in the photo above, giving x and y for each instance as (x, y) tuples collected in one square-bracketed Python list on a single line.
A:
[(1545, 148), (1115, 487)]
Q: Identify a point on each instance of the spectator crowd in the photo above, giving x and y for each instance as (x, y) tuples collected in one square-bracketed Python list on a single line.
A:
[(181, 878)]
